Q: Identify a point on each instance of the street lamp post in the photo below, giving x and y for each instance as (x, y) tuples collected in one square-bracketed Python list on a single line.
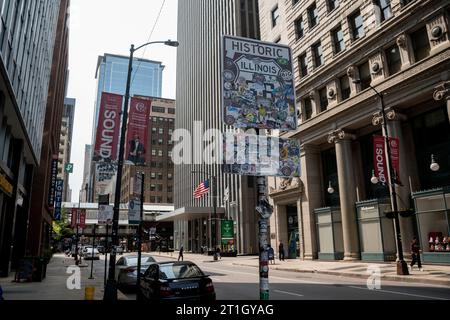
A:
[(402, 267), (213, 235), (111, 285)]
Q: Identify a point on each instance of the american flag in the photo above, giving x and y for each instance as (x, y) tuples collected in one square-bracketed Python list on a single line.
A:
[(201, 190)]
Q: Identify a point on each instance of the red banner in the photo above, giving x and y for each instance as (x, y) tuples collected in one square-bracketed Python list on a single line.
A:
[(83, 218), (395, 156), (137, 133), (74, 214), (108, 127), (379, 158)]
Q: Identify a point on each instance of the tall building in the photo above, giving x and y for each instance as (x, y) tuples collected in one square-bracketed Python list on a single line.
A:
[(111, 75), (41, 214), (159, 176), (65, 145), (344, 52), (201, 24), (27, 38)]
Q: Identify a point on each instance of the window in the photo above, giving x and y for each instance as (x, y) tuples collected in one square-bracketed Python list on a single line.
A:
[(161, 130), (161, 165), (152, 187), (345, 87), (158, 109), (169, 176), (303, 65), (153, 164), (317, 54), (169, 188), (308, 109), (420, 44), (332, 4), (169, 200), (313, 15), (152, 199), (364, 75), (154, 130), (160, 153), (160, 142), (275, 16), (160, 187), (338, 40), (323, 99), (160, 176), (154, 119), (385, 11), (299, 28), (153, 175), (171, 111), (170, 131), (394, 61), (153, 152), (170, 154), (356, 23)]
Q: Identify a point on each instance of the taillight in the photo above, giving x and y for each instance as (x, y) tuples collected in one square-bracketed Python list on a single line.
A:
[(209, 288), (165, 291), (129, 270)]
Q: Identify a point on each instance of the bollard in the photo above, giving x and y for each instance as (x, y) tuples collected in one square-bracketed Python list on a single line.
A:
[(89, 293)]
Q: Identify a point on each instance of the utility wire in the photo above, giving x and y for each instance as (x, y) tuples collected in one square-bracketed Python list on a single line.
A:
[(148, 40)]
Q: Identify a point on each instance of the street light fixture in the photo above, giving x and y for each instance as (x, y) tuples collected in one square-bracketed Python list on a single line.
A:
[(330, 188), (374, 178), (111, 285), (434, 165), (402, 267), (212, 244)]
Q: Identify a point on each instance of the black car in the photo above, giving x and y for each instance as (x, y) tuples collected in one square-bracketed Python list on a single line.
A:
[(176, 281)]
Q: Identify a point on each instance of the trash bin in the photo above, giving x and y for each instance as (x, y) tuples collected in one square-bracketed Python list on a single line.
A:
[(89, 293), (39, 269)]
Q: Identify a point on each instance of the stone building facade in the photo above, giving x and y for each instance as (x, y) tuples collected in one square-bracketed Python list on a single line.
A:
[(345, 52)]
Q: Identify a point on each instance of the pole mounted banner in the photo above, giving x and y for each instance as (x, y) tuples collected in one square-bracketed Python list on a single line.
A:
[(108, 128), (137, 131)]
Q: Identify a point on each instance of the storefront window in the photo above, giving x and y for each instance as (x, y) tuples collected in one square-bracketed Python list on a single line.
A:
[(293, 249), (433, 214)]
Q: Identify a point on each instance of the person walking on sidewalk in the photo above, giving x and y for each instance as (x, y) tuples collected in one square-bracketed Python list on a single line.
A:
[(415, 253), (281, 251), (180, 255), (271, 254)]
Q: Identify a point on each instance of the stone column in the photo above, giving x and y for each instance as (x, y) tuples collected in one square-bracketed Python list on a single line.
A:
[(312, 197), (403, 193), (282, 226), (347, 190), (300, 228)]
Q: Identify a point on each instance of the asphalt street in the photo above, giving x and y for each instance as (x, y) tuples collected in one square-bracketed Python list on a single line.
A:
[(233, 282)]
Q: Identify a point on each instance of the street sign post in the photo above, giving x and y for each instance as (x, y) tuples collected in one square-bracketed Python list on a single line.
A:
[(69, 168), (259, 94)]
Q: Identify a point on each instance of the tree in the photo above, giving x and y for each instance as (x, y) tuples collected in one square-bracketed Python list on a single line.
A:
[(62, 229)]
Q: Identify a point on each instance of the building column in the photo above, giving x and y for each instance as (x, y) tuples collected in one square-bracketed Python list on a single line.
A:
[(347, 190), (282, 226), (300, 228), (312, 197), (403, 191)]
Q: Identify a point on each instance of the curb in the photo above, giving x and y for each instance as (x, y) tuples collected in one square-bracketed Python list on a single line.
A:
[(359, 275)]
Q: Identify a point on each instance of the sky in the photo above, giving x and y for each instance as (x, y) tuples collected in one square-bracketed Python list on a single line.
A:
[(111, 26)]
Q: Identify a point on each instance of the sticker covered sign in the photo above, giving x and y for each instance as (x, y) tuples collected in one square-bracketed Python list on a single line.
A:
[(258, 85)]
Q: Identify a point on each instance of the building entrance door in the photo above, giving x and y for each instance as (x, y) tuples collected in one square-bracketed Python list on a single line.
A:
[(293, 247)]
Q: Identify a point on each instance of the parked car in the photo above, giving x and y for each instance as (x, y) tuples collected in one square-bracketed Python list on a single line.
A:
[(90, 253), (101, 249), (176, 281), (126, 270)]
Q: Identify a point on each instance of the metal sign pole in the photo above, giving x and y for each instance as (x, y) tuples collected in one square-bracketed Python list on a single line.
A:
[(138, 280)]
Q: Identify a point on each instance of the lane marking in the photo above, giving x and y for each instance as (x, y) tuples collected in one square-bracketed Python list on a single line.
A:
[(272, 277), (289, 293), (400, 293)]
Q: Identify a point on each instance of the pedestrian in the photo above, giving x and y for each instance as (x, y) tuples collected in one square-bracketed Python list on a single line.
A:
[(180, 255), (271, 254), (281, 251), (415, 254), (218, 253)]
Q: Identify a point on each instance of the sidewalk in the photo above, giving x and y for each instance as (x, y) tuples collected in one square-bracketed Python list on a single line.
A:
[(54, 286), (432, 274)]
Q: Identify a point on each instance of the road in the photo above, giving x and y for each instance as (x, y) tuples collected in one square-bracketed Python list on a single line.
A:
[(233, 282)]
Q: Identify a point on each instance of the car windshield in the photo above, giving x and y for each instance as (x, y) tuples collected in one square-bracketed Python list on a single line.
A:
[(179, 271), (133, 261)]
